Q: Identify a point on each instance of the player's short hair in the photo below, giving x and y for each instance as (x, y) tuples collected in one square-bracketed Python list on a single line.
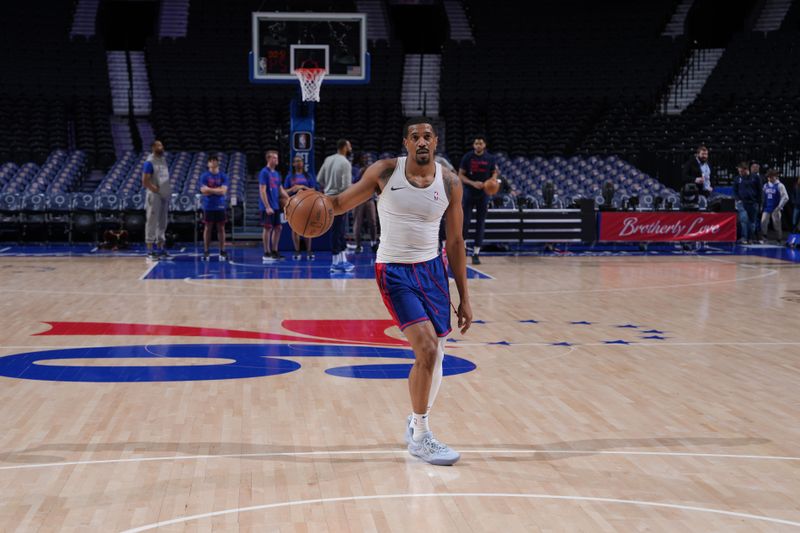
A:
[(153, 144), (417, 120), (773, 172), (479, 136), (341, 143), (212, 157), (270, 152), (743, 165), (701, 147)]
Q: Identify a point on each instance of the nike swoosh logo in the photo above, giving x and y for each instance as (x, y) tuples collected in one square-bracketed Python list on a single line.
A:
[(397, 188)]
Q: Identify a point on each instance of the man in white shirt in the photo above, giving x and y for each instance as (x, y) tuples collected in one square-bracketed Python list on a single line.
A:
[(415, 193)]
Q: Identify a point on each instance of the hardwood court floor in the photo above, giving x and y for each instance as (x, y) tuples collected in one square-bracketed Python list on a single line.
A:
[(694, 425)]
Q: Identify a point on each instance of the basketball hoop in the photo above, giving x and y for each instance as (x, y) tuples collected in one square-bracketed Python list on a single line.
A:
[(310, 82)]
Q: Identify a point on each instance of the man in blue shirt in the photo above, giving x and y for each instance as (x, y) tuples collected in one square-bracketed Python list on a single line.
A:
[(747, 192), (214, 188), (269, 192), (476, 168)]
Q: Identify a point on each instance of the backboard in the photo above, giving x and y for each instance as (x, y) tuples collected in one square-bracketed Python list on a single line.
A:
[(336, 42)]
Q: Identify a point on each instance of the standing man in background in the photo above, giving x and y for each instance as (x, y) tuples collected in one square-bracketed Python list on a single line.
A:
[(155, 178), (334, 177), (747, 191), (214, 188), (476, 167), (269, 192), (697, 171)]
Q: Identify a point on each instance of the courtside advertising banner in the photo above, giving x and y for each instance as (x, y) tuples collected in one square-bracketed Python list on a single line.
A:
[(675, 226)]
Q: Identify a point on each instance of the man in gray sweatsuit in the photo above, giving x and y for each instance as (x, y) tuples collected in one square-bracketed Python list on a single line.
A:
[(334, 177), (155, 178)]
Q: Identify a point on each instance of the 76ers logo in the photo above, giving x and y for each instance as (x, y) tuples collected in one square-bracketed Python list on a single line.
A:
[(328, 339)]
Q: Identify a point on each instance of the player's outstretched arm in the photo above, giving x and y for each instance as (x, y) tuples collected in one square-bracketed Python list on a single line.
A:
[(456, 252), (372, 181)]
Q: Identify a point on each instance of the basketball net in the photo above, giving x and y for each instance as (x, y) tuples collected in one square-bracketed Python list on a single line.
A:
[(310, 82)]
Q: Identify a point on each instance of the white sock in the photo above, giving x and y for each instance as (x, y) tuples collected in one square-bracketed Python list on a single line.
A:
[(342, 257), (476, 250), (419, 426), (336, 259), (436, 380)]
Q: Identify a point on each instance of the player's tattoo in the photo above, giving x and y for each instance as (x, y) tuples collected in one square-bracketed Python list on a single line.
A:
[(451, 181), (386, 173)]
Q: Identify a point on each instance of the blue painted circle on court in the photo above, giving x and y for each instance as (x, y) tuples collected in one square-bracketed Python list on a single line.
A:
[(451, 366), (248, 361)]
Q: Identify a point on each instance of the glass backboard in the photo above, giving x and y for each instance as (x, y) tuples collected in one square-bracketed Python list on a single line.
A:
[(336, 42)]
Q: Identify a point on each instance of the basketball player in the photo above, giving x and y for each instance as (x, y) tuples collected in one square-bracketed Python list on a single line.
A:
[(415, 192), (214, 188)]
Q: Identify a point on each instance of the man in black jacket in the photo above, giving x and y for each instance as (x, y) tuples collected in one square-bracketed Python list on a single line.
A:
[(747, 193), (697, 171)]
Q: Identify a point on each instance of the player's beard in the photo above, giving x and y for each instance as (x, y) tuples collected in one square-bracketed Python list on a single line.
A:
[(423, 158)]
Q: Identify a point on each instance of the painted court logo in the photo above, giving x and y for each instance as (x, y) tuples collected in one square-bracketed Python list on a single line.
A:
[(151, 362)]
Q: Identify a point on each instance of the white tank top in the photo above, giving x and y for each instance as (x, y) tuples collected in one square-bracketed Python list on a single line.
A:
[(410, 217)]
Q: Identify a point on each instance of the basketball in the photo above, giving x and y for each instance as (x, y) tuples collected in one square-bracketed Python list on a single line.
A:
[(309, 213), (491, 186)]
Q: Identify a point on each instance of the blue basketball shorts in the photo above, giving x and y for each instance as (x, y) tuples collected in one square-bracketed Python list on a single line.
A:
[(415, 292)]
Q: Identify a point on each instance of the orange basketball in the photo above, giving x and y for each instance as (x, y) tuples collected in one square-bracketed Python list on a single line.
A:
[(491, 186), (309, 213)]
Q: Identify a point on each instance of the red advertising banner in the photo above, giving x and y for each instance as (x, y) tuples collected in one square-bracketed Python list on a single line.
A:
[(668, 226)]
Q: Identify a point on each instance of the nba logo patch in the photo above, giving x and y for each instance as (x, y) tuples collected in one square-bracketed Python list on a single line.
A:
[(436, 195)]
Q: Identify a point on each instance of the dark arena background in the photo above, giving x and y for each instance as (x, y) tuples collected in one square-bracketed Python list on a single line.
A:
[(175, 358)]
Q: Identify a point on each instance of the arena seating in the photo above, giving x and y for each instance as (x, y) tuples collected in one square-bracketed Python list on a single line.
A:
[(125, 176), (568, 96), (577, 178), (58, 96), (747, 110), (59, 173), (536, 85), (48, 196)]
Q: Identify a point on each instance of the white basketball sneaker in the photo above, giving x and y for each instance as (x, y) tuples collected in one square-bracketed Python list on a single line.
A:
[(432, 451)]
